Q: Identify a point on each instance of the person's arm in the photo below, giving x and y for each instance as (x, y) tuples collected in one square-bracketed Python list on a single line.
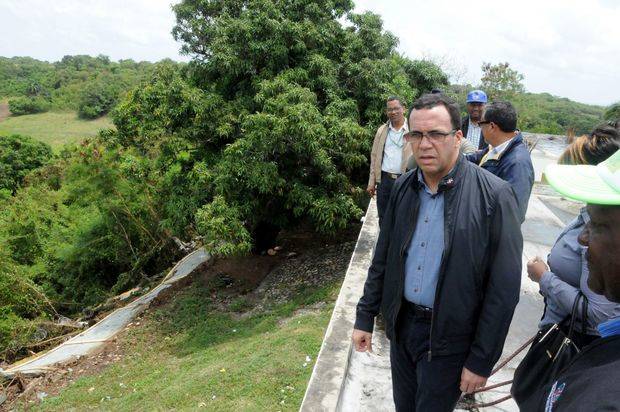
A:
[(370, 303), (521, 178), (467, 147), (563, 295), (476, 156), (503, 283)]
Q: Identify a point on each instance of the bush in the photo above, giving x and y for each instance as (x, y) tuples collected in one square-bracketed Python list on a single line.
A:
[(19, 155), (96, 100), (27, 105)]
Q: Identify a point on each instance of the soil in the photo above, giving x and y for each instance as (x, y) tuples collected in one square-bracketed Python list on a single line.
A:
[(4, 111), (303, 259)]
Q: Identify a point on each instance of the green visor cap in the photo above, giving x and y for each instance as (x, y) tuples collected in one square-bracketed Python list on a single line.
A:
[(598, 184)]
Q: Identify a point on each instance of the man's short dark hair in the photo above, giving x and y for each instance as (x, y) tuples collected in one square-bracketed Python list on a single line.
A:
[(430, 100), (503, 114), (393, 98)]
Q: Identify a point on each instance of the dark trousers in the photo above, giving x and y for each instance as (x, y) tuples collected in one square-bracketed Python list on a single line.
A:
[(417, 384), (383, 194)]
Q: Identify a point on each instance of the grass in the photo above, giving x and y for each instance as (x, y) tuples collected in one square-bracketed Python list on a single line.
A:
[(54, 128), (187, 355)]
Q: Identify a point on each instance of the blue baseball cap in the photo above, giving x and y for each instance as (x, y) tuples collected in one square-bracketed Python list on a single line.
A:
[(476, 96)]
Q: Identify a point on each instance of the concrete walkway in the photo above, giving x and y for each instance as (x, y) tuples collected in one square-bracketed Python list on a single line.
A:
[(97, 335), (345, 380)]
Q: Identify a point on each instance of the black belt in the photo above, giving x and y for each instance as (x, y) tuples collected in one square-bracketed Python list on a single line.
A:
[(390, 175), (418, 311)]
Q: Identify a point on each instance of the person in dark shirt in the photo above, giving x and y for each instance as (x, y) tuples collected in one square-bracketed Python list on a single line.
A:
[(507, 156), (592, 381)]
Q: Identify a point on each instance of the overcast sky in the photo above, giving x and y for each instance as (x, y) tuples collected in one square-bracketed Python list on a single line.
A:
[(568, 48)]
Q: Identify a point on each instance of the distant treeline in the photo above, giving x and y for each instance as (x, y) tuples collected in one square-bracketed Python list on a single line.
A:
[(545, 113), (90, 85)]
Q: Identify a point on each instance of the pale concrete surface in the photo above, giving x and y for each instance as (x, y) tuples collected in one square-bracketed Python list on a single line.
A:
[(351, 381), (330, 370), (98, 334)]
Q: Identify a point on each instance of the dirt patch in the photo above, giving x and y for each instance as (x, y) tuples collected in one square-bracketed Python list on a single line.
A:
[(243, 285), (31, 391), (4, 111)]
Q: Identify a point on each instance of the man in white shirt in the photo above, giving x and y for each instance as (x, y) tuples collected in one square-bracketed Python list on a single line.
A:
[(476, 103), (390, 153)]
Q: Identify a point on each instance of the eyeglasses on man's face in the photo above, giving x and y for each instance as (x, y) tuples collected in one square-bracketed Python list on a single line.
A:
[(393, 109), (481, 122), (433, 135)]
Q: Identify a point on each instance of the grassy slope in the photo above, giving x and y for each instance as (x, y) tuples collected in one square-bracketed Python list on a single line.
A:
[(187, 355), (54, 128)]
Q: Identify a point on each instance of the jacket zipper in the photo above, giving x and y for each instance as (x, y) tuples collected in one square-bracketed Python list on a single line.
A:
[(447, 232), (402, 261)]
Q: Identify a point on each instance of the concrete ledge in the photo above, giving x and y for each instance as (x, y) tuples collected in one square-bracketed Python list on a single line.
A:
[(103, 331), (330, 370)]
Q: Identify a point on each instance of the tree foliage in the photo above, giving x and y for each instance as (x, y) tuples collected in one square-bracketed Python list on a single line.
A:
[(19, 106), (19, 155), (500, 81), (612, 112), (90, 84), (268, 127)]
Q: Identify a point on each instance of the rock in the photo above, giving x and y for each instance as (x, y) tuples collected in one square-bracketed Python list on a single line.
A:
[(41, 395), (277, 248), (291, 255)]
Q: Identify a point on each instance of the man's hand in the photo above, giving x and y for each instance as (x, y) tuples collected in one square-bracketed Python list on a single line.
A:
[(535, 269), (362, 340), (371, 190), (470, 381)]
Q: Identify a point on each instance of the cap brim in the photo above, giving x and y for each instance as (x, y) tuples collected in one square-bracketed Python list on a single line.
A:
[(581, 182)]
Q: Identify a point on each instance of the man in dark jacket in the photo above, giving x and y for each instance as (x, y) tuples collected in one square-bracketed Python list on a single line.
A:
[(592, 381), (476, 105), (507, 156), (447, 305)]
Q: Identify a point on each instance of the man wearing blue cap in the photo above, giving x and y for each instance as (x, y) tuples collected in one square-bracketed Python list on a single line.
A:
[(592, 380), (476, 102)]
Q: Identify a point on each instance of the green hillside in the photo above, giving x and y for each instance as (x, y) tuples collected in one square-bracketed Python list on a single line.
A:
[(54, 128)]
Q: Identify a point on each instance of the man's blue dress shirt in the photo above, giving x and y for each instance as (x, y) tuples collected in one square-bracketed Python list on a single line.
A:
[(424, 254)]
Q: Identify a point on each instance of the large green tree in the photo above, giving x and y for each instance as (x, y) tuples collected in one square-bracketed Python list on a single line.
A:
[(500, 81), (275, 113)]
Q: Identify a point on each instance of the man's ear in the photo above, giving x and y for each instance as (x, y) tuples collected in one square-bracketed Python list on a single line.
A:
[(458, 137)]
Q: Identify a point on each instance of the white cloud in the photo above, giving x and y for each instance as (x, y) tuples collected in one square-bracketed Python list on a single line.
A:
[(568, 48), (137, 29), (565, 47)]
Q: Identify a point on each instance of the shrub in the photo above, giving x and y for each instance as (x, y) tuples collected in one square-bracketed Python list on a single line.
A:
[(96, 100), (27, 105), (19, 155)]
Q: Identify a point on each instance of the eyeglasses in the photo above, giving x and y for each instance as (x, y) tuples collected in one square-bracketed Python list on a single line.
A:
[(393, 109), (433, 135), (480, 123)]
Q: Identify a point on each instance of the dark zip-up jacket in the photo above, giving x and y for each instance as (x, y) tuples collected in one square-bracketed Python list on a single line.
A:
[(465, 127), (480, 272), (514, 166), (590, 383)]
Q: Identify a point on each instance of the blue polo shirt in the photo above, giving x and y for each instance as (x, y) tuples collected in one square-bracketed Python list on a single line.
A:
[(423, 258)]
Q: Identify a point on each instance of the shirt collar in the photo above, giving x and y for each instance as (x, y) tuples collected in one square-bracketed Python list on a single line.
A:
[(404, 127), (496, 152), (447, 183)]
